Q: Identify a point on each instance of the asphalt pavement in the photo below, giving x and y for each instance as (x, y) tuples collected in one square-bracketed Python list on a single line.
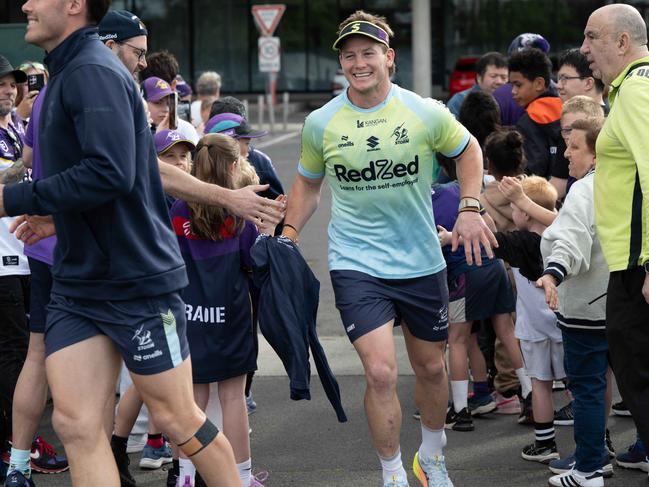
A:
[(301, 443)]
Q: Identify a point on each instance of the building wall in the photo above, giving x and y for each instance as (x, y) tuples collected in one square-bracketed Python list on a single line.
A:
[(220, 34)]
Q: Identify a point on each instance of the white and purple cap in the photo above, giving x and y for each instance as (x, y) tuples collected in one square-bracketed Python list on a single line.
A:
[(165, 139), (155, 88), (233, 125), (528, 39)]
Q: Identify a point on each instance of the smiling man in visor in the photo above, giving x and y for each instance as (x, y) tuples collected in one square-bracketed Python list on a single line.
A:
[(374, 144)]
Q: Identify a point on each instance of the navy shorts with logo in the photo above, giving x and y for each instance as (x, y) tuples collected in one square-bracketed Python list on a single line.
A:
[(39, 294), (366, 303), (482, 292), (148, 332)]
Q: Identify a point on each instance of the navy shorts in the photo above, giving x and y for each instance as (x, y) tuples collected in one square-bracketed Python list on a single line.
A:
[(366, 303), (480, 293), (148, 332), (39, 294)]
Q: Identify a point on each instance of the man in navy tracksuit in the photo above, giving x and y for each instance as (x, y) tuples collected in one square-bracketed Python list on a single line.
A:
[(117, 268)]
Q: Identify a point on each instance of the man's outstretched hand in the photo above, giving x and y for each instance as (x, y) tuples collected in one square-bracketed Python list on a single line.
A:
[(31, 228), (474, 232), (246, 203)]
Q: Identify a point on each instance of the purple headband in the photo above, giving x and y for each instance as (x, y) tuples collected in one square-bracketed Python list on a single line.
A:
[(365, 28)]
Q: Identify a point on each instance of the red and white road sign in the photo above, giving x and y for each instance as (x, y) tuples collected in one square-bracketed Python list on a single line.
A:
[(269, 54), (267, 17)]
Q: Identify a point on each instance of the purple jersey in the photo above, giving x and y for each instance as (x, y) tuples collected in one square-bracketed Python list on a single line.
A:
[(11, 142), (43, 250), (510, 111), (446, 200), (217, 301)]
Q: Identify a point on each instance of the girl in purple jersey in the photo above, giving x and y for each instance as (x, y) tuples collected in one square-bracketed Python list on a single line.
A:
[(216, 248)]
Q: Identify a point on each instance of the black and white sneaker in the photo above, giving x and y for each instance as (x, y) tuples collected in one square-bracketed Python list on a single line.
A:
[(564, 465), (573, 479), (460, 421), (564, 416), (620, 409), (540, 453)]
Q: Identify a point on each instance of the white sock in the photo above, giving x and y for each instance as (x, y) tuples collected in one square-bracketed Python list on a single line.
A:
[(245, 472), (432, 442), (393, 468), (186, 469), (526, 382), (459, 392)]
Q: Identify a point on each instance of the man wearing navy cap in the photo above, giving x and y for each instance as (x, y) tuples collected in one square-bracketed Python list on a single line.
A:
[(125, 34)]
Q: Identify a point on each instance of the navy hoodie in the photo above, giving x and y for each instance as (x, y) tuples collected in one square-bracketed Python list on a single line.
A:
[(288, 305), (100, 180)]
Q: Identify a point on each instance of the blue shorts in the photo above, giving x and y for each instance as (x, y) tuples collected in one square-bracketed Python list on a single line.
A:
[(480, 293), (366, 303), (39, 294), (148, 332)]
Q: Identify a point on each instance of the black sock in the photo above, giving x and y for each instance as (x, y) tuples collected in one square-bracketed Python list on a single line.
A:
[(509, 393), (118, 442), (176, 466), (544, 433)]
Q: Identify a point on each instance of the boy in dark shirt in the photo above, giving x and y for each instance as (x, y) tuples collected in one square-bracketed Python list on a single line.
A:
[(529, 74)]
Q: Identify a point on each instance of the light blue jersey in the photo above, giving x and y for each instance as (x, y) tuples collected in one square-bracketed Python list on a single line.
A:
[(379, 164)]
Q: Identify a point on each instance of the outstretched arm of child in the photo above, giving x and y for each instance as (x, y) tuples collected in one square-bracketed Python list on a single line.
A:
[(445, 237), (268, 227), (549, 285), (512, 189)]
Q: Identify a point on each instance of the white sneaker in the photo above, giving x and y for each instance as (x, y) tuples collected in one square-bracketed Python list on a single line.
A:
[(396, 482), (431, 473), (573, 479)]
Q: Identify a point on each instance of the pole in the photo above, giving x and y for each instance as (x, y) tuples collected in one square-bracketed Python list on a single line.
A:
[(285, 98), (271, 113), (422, 51), (260, 112)]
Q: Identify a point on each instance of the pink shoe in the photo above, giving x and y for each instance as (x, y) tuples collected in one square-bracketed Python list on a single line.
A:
[(257, 479), (507, 405)]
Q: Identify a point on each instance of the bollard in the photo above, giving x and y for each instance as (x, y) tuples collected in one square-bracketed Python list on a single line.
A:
[(285, 97), (246, 109), (260, 114), (271, 113)]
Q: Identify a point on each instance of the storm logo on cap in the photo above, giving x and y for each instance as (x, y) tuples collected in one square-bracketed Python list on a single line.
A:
[(362, 27), (161, 84)]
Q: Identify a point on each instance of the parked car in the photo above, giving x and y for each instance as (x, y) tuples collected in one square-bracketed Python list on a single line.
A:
[(463, 75)]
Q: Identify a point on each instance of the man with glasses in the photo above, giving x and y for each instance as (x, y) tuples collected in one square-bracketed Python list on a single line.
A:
[(575, 78), (125, 34)]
